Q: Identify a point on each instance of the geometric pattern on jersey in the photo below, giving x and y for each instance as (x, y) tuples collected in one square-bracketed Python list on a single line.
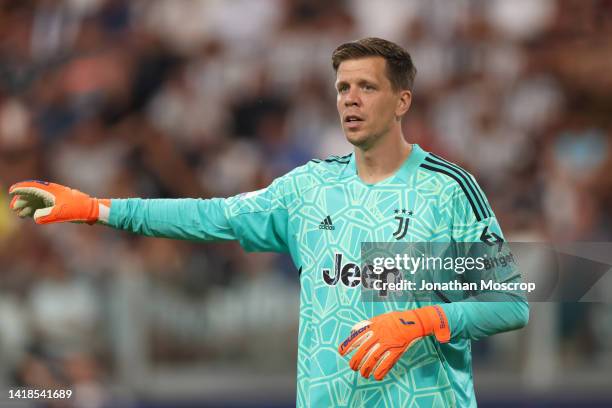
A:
[(321, 213)]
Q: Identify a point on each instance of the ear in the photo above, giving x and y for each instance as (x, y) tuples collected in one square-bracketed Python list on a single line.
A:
[(403, 104)]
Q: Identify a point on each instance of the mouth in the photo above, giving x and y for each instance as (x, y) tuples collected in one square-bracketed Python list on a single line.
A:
[(353, 121)]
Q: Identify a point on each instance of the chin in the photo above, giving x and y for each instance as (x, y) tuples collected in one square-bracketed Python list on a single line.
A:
[(358, 139)]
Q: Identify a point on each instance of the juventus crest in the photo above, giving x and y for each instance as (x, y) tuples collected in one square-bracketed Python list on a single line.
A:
[(402, 227)]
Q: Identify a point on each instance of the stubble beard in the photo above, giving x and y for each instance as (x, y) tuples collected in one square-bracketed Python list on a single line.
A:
[(363, 141), (367, 141)]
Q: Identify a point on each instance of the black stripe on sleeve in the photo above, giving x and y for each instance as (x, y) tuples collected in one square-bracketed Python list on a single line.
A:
[(454, 177), (337, 161), (442, 296), (466, 174), (330, 161), (467, 180)]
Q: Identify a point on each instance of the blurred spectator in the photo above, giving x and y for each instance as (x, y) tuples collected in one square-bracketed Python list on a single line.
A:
[(191, 98)]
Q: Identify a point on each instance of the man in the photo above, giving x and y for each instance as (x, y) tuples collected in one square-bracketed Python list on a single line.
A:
[(321, 213)]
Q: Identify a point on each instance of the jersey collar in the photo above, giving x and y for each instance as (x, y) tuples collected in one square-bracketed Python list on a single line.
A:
[(409, 166)]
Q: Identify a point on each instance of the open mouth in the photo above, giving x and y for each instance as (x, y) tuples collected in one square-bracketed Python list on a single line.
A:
[(352, 119), (353, 122)]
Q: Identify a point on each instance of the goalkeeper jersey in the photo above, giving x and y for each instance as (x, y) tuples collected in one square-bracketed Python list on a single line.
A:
[(320, 213)]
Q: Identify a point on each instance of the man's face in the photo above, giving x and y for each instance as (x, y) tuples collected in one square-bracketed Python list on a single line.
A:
[(366, 102)]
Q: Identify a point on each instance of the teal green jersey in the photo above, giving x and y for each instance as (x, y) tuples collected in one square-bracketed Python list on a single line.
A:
[(321, 213)]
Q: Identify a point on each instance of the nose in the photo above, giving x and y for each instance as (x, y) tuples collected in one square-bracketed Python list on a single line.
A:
[(351, 98)]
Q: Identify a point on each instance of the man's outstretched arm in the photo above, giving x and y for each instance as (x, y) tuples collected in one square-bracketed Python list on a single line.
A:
[(258, 220)]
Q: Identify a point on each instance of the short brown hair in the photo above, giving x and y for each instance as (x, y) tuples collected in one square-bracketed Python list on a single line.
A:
[(400, 69)]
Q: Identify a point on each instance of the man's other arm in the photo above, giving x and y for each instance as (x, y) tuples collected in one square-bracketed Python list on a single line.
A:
[(490, 312)]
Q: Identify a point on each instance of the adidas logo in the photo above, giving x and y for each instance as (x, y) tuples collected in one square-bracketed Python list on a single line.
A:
[(326, 224)]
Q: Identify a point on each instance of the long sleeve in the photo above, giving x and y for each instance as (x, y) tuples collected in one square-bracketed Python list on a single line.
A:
[(484, 313), (189, 219), (258, 220), (476, 320)]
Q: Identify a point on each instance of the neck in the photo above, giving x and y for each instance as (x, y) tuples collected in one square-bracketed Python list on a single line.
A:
[(382, 160)]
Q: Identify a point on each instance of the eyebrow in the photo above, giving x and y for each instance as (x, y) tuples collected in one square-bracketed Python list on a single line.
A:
[(359, 82)]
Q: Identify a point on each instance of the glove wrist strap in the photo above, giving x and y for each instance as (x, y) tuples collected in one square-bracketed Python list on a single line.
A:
[(434, 322), (103, 210)]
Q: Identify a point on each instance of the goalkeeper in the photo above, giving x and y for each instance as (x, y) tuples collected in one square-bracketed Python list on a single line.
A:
[(413, 354)]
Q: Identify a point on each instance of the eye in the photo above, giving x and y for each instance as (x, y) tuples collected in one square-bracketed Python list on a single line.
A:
[(368, 87), (342, 88)]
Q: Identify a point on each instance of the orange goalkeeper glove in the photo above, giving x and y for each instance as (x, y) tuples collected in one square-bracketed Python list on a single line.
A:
[(49, 202), (382, 340)]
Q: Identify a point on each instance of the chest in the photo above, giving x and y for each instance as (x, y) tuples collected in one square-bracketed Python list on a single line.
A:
[(346, 215)]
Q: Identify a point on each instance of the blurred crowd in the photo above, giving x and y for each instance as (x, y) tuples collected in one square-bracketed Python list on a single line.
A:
[(166, 98)]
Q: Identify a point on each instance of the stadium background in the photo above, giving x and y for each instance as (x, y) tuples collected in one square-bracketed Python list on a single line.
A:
[(166, 98)]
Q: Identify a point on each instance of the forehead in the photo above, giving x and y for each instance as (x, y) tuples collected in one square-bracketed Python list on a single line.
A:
[(369, 68)]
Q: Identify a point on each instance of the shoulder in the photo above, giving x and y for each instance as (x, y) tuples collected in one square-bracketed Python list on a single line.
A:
[(448, 172), (332, 164), (321, 169), (456, 183), (313, 173)]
